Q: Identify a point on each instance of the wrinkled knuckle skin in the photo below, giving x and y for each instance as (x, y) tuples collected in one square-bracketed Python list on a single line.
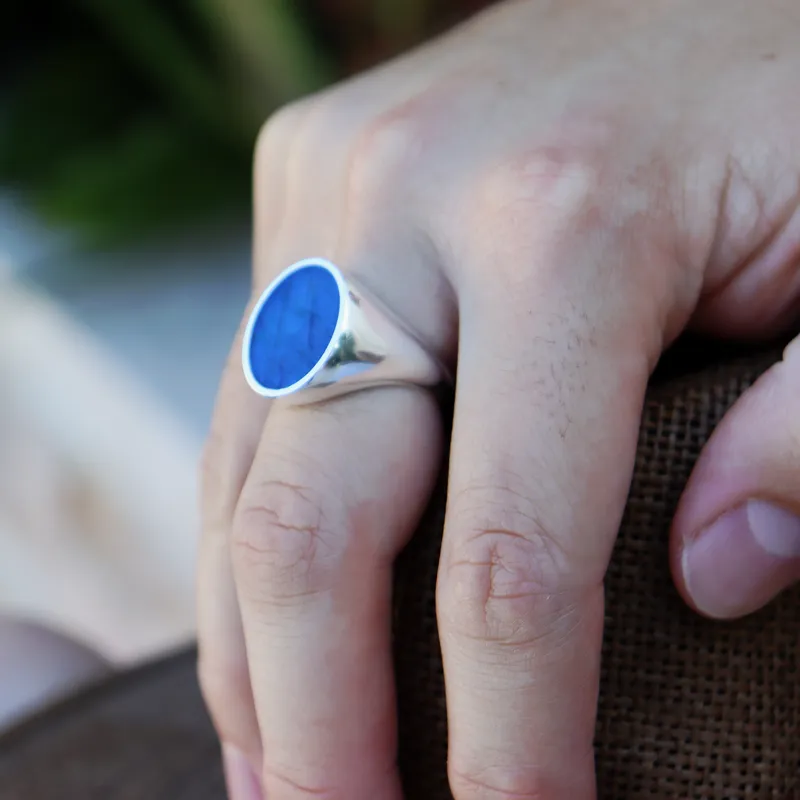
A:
[(384, 153), (504, 583), (281, 783), (474, 784), (283, 547)]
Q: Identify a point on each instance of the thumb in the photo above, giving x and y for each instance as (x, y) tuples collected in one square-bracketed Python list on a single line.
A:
[(736, 535)]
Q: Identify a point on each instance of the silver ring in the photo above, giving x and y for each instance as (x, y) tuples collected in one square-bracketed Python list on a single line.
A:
[(315, 334)]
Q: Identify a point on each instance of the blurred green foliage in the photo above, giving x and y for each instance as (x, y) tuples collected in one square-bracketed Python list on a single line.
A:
[(124, 118)]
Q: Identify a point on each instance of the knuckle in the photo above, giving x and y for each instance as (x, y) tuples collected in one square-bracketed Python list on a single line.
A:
[(313, 780), (214, 474), (543, 198), (558, 180), (225, 687), (283, 783), (278, 132), (383, 151), (282, 544), (218, 483), (508, 581), (213, 464), (209, 478), (223, 463), (506, 784)]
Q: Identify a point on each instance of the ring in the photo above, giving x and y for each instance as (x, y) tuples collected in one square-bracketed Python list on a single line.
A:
[(315, 334)]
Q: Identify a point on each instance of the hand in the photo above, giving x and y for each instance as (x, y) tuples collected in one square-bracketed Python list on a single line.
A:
[(548, 195)]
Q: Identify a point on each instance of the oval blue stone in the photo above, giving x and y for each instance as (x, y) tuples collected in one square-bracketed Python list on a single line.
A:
[(294, 327)]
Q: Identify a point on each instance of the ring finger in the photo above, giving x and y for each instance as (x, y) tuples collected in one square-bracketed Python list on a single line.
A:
[(334, 493)]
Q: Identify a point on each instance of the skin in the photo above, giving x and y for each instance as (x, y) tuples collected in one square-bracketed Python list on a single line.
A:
[(548, 195)]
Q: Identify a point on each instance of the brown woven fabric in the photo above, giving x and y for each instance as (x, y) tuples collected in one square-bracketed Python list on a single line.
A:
[(689, 709)]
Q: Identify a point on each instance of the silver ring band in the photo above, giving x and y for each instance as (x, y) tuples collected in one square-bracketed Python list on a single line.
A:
[(315, 334)]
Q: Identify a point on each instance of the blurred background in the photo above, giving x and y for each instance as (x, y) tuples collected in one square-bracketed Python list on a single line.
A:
[(126, 130)]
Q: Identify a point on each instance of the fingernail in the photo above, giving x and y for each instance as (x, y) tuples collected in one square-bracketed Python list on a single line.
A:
[(241, 780), (743, 559)]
